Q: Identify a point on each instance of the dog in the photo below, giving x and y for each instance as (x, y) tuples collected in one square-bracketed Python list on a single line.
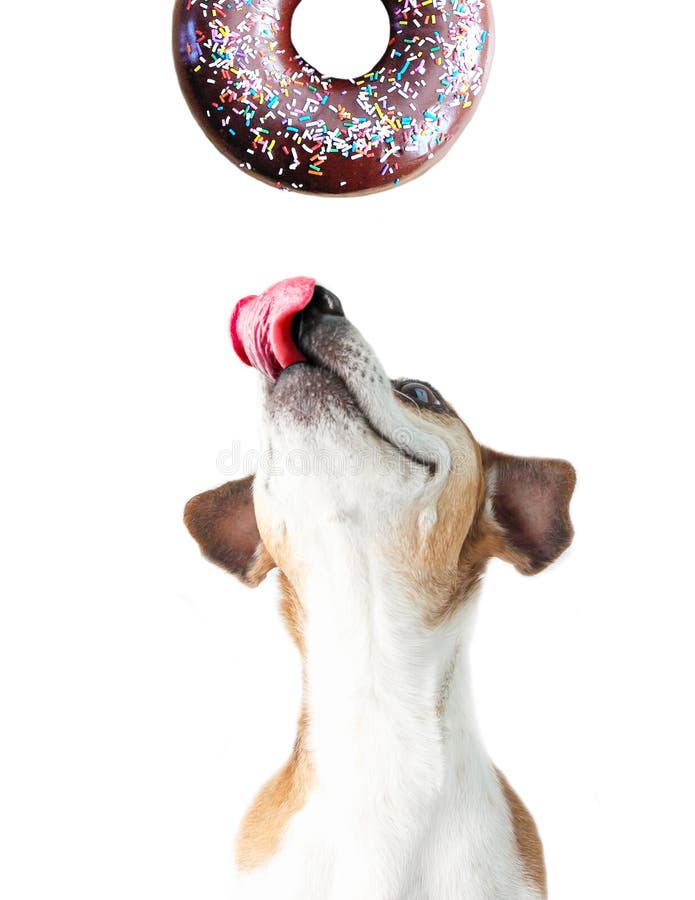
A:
[(381, 511)]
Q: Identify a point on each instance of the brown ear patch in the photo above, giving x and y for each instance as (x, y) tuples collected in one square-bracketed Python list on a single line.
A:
[(529, 499), (223, 522)]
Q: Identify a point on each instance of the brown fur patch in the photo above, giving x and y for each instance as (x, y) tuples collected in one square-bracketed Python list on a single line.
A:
[(292, 613), (284, 795), (261, 564), (287, 792), (430, 562), (528, 840)]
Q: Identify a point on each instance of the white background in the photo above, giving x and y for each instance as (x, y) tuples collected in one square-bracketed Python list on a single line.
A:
[(540, 276)]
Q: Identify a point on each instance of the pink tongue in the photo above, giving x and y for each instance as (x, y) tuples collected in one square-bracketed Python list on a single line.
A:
[(262, 326)]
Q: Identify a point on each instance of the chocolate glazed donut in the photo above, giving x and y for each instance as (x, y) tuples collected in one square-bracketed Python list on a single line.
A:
[(280, 120)]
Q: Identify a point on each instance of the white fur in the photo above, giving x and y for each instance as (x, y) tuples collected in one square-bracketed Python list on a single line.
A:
[(406, 804)]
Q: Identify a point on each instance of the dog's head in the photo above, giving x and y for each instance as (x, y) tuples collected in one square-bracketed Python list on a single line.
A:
[(376, 469)]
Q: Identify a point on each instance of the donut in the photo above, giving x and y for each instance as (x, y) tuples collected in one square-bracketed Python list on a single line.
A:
[(267, 110)]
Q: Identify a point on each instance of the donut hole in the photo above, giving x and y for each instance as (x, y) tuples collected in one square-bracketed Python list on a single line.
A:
[(341, 38)]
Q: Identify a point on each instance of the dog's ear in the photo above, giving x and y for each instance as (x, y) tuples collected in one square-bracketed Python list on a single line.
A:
[(528, 500), (223, 522)]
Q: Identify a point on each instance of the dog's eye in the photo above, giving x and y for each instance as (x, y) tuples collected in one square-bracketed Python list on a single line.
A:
[(422, 394)]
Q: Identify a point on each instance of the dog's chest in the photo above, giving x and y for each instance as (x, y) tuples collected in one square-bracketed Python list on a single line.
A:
[(463, 848)]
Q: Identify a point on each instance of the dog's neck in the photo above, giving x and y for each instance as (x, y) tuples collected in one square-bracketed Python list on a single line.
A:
[(389, 729), (385, 690), (388, 768)]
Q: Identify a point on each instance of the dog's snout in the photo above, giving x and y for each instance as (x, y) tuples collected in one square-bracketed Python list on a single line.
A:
[(323, 303)]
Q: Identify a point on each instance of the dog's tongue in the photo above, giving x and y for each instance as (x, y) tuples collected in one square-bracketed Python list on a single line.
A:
[(262, 325)]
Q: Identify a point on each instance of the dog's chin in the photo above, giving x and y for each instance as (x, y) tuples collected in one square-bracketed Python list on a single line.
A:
[(309, 396)]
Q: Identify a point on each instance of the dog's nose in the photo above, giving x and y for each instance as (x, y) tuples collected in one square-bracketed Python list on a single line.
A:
[(323, 303)]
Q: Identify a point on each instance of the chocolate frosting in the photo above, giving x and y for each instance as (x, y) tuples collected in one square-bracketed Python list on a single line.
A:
[(280, 120)]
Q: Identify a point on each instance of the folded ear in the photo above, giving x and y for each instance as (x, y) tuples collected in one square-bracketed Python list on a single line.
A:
[(529, 502), (223, 522)]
